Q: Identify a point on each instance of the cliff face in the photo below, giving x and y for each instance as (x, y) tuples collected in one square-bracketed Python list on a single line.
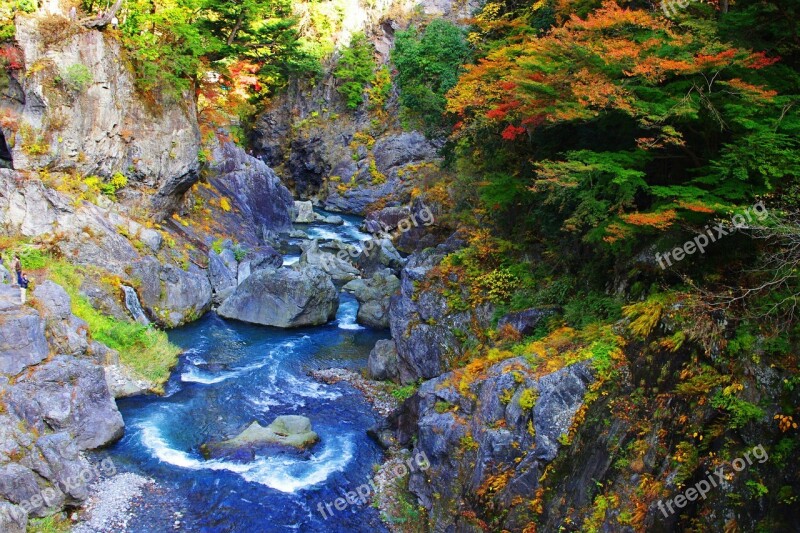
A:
[(350, 159), (75, 108), (54, 404)]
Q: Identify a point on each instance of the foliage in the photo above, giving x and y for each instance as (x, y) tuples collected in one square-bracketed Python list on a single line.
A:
[(354, 71), (171, 43), (8, 10), (404, 392), (428, 64), (77, 77)]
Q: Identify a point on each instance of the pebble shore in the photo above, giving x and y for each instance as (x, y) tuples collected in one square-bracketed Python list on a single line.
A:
[(109, 508)]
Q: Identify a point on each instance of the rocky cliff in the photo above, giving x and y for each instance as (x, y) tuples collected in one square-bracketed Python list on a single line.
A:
[(55, 403), (74, 107)]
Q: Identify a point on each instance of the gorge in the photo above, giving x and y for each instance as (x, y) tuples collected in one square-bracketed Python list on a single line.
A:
[(395, 266)]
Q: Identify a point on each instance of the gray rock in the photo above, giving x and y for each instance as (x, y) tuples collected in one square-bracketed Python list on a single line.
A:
[(97, 135), (72, 395), (503, 431), (288, 430), (172, 296), (378, 254), (385, 219), (382, 363), (12, 518), (339, 269), (67, 333), (303, 212), (17, 483), (260, 203), (263, 258), (373, 297), (286, 297), (223, 281), (334, 220), (22, 340), (427, 332), (151, 238)]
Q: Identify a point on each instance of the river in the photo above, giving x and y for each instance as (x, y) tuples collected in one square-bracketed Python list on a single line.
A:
[(229, 375)]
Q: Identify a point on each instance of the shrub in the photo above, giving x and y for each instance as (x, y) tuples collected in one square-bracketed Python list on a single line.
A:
[(77, 77), (355, 70)]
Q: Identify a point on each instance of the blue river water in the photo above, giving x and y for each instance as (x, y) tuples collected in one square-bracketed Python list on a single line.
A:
[(230, 375)]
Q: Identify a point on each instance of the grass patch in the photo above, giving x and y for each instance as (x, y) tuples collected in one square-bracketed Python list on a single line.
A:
[(145, 349), (57, 523)]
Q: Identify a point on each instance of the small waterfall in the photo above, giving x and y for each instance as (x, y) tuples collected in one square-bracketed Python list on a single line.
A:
[(134, 307)]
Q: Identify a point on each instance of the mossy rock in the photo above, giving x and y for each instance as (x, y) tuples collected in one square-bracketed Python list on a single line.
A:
[(291, 431)]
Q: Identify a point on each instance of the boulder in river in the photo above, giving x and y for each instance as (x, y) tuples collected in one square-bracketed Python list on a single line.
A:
[(303, 212), (289, 430), (373, 297), (284, 297)]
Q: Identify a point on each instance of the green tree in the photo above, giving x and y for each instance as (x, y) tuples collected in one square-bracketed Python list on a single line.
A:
[(429, 63), (355, 70)]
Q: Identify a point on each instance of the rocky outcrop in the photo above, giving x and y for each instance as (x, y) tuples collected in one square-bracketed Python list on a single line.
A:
[(427, 332), (285, 298), (340, 270), (525, 322), (92, 236), (507, 427), (259, 202), (377, 174), (382, 362), (373, 296), (51, 412), (174, 296), (98, 124), (286, 431)]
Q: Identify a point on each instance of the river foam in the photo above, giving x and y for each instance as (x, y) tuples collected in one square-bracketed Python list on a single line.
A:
[(284, 473)]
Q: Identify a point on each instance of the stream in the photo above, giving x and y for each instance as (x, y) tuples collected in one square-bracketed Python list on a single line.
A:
[(230, 374)]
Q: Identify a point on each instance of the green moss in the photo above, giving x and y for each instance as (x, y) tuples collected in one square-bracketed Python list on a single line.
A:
[(57, 523)]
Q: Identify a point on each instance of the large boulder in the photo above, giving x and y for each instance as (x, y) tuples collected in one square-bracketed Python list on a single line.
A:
[(382, 362), (172, 295), (339, 269), (373, 297), (69, 394), (259, 201), (285, 431), (223, 280), (22, 338), (303, 212), (377, 254), (284, 297)]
